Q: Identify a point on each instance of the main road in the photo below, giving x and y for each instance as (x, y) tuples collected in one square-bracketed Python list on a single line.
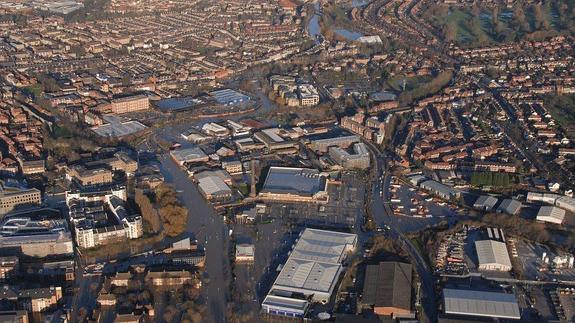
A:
[(211, 232), (383, 215)]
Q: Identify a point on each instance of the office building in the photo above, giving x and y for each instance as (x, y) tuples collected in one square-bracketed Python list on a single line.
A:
[(130, 104)]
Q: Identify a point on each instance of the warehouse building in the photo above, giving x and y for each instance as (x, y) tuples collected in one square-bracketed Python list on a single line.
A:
[(387, 289), (189, 155), (485, 203), (312, 269), (509, 206), (492, 255), (551, 214), (439, 189), (472, 303), (213, 188), (229, 97), (566, 203), (294, 185)]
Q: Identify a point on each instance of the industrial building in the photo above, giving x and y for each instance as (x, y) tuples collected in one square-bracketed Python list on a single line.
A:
[(229, 97), (485, 203), (492, 255), (387, 289), (274, 142), (551, 214), (439, 189), (509, 206), (213, 188), (312, 269), (294, 184), (480, 304), (189, 155)]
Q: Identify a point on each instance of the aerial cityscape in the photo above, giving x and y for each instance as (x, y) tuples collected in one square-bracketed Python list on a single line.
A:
[(287, 161)]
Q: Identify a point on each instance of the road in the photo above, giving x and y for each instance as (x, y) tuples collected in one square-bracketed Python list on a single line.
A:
[(211, 232), (383, 215)]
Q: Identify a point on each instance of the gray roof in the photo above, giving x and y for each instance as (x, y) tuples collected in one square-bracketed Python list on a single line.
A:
[(485, 201), (188, 154), (478, 303), (315, 262), (213, 185), (509, 206), (492, 252), (300, 181), (388, 284), (438, 188), (285, 302)]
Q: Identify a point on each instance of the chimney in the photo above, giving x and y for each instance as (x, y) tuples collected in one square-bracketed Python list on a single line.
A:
[(253, 179)]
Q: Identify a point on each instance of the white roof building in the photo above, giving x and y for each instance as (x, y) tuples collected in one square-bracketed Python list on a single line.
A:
[(314, 265), (492, 255), (551, 214), (482, 304)]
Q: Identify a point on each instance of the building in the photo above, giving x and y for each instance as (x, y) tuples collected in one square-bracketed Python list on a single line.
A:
[(294, 184), (551, 214), (485, 203), (245, 253), (130, 104), (189, 155), (229, 97), (387, 289), (313, 267), (13, 199), (31, 167), (213, 188), (285, 306), (359, 159), (566, 203), (215, 130), (480, 304), (492, 255), (90, 176), (439, 189), (509, 206), (323, 145), (308, 95), (274, 142), (38, 299), (9, 267), (14, 316), (233, 167), (169, 278), (134, 227)]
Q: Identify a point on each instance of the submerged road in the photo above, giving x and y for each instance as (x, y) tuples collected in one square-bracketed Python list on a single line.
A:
[(211, 232)]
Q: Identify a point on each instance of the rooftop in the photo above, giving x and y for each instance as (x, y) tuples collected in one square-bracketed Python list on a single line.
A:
[(479, 303), (299, 181)]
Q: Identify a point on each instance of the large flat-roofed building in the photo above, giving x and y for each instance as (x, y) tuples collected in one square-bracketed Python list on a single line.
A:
[(273, 141), (229, 97), (551, 214), (492, 255), (480, 304), (13, 199), (314, 265), (90, 176), (294, 184), (387, 289), (189, 155), (130, 104)]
